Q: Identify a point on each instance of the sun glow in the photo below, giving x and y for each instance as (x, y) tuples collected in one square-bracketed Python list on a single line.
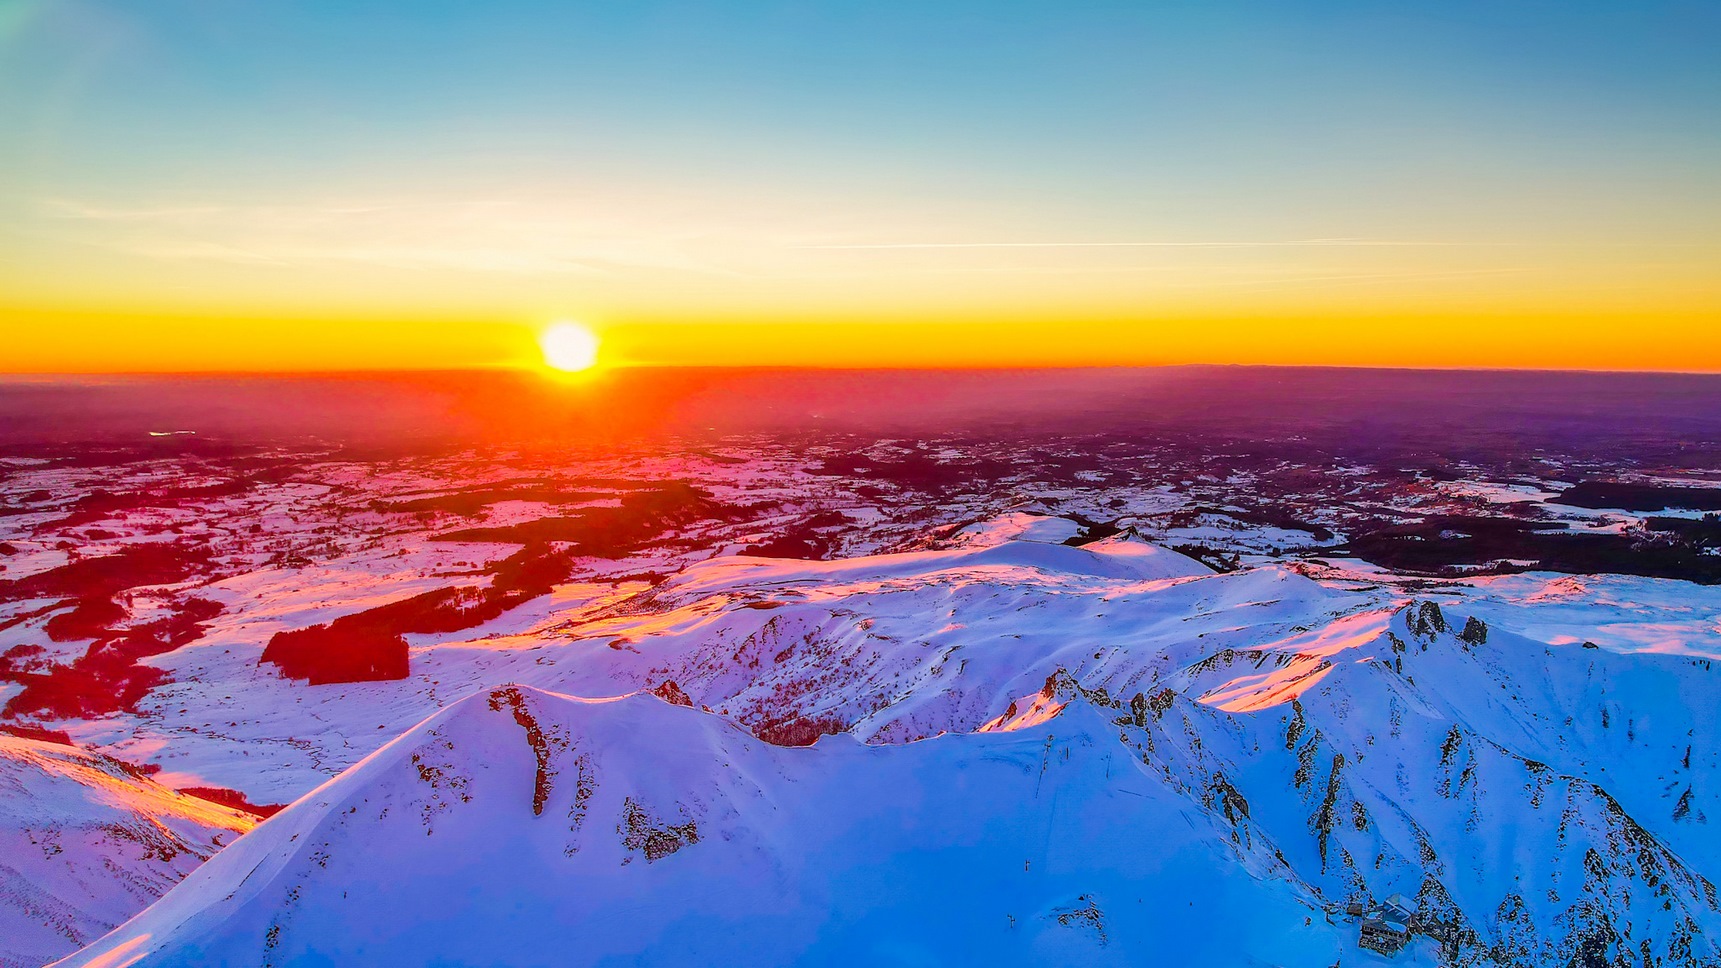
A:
[(569, 347)]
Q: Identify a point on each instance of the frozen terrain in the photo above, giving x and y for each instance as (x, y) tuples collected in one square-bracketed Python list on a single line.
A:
[(1254, 740), (840, 697), (654, 834)]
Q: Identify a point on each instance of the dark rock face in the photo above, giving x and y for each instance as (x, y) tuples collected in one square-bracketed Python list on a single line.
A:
[(536, 738), (798, 730), (673, 694), (654, 838)]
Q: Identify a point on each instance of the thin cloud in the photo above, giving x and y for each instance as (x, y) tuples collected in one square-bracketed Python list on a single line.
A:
[(1316, 243), (509, 236), (72, 209)]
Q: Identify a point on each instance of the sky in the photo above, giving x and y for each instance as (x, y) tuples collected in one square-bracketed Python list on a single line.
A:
[(222, 185)]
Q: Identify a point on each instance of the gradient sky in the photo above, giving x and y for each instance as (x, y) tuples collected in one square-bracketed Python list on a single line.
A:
[(353, 184)]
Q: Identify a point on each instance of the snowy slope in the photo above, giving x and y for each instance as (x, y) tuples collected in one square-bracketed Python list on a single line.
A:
[(1457, 774), (86, 843), (520, 827)]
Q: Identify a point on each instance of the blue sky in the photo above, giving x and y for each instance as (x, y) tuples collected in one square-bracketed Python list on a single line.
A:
[(1083, 100)]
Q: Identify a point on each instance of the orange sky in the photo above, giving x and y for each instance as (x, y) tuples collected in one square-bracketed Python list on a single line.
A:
[(50, 344)]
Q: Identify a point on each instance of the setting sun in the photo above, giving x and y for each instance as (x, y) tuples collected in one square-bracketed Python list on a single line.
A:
[(569, 347)]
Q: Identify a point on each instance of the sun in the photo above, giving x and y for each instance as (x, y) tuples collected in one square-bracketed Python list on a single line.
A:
[(569, 347)]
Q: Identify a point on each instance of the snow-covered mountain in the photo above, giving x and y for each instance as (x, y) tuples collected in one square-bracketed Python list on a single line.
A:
[(86, 842), (521, 827), (1083, 754)]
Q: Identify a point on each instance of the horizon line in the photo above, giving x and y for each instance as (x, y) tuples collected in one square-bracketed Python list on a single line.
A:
[(43, 376), (1318, 243)]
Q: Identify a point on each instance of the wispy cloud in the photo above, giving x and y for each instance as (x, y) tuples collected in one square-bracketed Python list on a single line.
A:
[(1282, 243), (547, 234), (67, 208), (502, 236)]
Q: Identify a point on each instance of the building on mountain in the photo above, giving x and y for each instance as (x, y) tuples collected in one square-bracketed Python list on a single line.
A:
[(1386, 927)]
